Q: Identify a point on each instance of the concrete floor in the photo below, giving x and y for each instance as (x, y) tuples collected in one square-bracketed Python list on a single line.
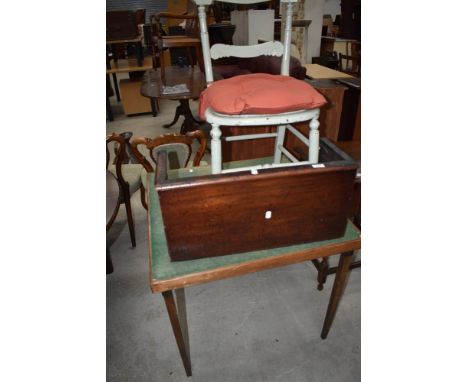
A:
[(259, 327)]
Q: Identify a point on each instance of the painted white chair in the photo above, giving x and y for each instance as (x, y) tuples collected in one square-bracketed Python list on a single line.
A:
[(282, 120)]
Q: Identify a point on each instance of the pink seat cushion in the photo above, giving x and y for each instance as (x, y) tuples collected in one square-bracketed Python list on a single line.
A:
[(259, 93)]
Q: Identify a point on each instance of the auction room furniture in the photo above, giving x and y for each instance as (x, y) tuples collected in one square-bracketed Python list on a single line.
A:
[(133, 102), (112, 208), (190, 40), (334, 44), (221, 33), (128, 176), (350, 126), (122, 29), (179, 148), (152, 85), (109, 93), (329, 185), (317, 72), (351, 61), (217, 110)]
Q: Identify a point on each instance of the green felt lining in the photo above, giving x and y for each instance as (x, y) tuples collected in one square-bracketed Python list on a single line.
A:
[(163, 268)]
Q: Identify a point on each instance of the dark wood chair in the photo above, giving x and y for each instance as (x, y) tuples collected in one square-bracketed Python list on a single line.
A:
[(109, 93), (178, 148), (190, 40), (351, 61), (127, 174)]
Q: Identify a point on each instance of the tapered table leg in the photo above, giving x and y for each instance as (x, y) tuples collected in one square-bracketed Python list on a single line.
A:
[(177, 319), (337, 291)]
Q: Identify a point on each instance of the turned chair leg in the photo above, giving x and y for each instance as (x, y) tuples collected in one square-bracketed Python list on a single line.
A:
[(216, 156), (178, 319), (314, 138), (337, 291)]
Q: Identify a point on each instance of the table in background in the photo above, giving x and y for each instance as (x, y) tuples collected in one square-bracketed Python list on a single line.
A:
[(167, 276), (133, 102), (316, 71), (152, 87)]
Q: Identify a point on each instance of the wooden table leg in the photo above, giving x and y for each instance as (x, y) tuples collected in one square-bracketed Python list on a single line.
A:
[(178, 319), (337, 291), (116, 86), (154, 109), (178, 113), (190, 122)]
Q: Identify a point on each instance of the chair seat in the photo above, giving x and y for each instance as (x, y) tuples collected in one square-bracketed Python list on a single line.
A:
[(203, 164), (259, 93), (131, 173)]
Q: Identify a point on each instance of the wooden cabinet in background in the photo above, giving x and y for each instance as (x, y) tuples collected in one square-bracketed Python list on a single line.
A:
[(330, 117), (132, 101)]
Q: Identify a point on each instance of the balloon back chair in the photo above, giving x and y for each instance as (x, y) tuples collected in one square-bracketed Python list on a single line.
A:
[(128, 174), (257, 99), (179, 152)]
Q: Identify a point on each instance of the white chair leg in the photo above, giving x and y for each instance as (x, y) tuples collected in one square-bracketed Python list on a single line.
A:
[(279, 142), (216, 157), (314, 139)]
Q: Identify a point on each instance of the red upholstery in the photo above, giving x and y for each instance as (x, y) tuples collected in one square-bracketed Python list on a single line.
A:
[(259, 93)]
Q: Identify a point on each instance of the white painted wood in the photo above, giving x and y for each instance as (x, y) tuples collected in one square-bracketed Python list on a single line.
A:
[(265, 166), (249, 136), (282, 120), (287, 41), (259, 119), (279, 142), (314, 138), (205, 45), (270, 48), (291, 157), (216, 156), (298, 134)]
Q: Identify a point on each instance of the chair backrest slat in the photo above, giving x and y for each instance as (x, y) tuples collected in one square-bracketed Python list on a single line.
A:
[(270, 48), (220, 50)]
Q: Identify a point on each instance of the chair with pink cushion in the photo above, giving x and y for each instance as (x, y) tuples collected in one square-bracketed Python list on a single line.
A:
[(257, 99)]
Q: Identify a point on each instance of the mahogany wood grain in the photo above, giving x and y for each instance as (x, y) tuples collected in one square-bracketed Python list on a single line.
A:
[(307, 204)]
